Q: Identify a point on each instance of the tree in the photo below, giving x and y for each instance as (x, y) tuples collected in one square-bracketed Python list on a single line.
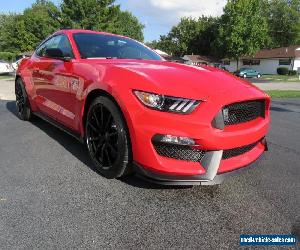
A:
[(100, 15), (190, 36), (23, 32), (89, 14), (39, 22), (284, 22), (14, 36), (128, 25), (243, 29)]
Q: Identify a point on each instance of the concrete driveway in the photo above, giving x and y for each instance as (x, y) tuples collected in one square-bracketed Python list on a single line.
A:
[(7, 89), (278, 85)]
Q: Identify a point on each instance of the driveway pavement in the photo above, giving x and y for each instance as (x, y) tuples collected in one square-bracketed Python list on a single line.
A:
[(7, 91), (51, 198), (278, 85)]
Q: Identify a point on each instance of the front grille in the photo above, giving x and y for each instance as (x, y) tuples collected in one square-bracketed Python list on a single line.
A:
[(243, 112), (229, 153), (179, 152)]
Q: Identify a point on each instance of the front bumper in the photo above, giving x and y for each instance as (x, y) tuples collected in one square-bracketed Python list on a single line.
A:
[(144, 123), (212, 163)]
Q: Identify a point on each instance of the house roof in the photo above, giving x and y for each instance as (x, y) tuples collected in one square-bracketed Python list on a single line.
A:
[(199, 58), (283, 52), (161, 53)]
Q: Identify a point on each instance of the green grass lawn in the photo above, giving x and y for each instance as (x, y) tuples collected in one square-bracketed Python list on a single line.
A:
[(6, 77), (283, 93), (280, 78)]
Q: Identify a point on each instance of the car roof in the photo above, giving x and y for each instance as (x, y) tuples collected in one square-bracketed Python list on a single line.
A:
[(74, 31)]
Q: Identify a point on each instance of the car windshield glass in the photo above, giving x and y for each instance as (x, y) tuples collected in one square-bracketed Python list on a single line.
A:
[(110, 47)]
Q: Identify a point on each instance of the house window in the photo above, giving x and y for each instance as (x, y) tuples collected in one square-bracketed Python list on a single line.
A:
[(251, 62), (255, 62), (285, 61)]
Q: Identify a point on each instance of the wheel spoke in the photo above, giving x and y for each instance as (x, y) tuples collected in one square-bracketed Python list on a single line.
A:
[(97, 121), (101, 115), (108, 122), (93, 127), (96, 138), (112, 149), (102, 153), (99, 145), (107, 156), (115, 133)]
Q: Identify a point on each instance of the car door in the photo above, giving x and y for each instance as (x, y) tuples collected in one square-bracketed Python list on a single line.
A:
[(65, 86), (252, 73), (42, 69), (54, 82)]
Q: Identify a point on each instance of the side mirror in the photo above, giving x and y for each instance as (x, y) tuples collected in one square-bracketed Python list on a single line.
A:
[(57, 54)]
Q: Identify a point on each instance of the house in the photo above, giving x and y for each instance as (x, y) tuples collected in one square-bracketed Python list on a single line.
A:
[(198, 59), (162, 53), (169, 57), (267, 61)]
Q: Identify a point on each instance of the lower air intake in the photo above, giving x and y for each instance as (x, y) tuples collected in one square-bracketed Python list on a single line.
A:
[(185, 153), (229, 153)]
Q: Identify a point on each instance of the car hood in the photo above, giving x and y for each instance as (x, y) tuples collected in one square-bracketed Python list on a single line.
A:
[(187, 81)]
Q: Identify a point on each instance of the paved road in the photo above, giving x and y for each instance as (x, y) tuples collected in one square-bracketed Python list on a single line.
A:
[(50, 197), (277, 85)]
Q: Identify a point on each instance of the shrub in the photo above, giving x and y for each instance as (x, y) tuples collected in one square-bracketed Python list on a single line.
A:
[(7, 56), (282, 71), (292, 72)]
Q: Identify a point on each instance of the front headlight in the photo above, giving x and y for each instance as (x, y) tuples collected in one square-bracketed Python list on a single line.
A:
[(166, 103)]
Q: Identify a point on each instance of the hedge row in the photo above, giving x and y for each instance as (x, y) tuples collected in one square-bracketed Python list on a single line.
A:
[(7, 56), (285, 71)]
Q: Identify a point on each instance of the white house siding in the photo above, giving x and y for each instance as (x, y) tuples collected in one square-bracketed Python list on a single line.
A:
[(232, 66), (267, 66), (297, 64)]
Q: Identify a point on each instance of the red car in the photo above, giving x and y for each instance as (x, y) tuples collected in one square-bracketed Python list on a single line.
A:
[(170, 123)]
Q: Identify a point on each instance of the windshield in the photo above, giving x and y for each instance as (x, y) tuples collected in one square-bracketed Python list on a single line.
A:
[(108, 46)]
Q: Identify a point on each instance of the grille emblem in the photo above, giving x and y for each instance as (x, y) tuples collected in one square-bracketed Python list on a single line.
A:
[(226, 115)]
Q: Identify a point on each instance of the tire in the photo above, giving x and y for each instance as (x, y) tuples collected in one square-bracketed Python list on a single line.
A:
[(22, 103), (107, 138)]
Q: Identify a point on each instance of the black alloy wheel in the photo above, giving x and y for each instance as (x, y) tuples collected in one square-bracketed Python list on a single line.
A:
[(22, 103), (107, 138)]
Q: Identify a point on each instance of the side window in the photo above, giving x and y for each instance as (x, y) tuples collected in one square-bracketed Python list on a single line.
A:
[(65, 46), (57, 42), (41, 50)]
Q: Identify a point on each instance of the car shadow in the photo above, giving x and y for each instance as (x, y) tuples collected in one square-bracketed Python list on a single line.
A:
[(78, 150), (278, 109)]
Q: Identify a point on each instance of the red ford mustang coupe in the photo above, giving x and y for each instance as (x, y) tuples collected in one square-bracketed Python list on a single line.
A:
[(169, 123)]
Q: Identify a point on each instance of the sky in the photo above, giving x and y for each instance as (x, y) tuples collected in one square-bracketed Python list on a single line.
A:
[(157, 15)]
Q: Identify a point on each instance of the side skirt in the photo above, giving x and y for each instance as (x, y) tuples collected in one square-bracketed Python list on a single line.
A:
[(63, 128)]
